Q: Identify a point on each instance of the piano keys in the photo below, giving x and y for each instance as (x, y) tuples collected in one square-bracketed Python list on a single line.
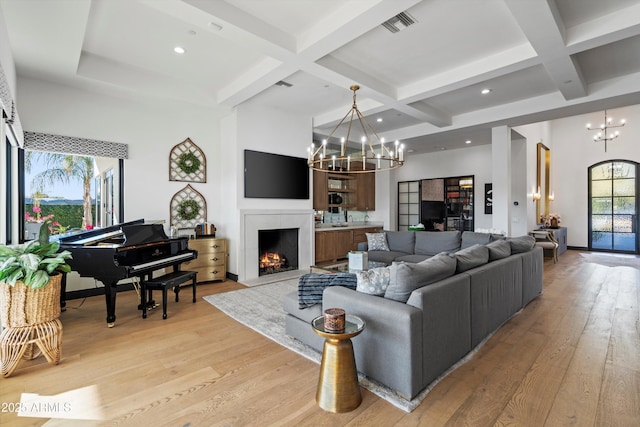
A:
[(131, 249)]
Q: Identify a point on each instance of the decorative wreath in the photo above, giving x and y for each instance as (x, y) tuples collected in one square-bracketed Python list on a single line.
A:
[(188, 209), (189, 163)]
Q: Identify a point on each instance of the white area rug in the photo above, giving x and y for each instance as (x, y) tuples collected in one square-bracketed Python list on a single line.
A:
[(260, 308), (611, 259)]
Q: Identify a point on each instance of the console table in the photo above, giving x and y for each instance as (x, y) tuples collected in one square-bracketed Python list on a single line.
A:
[(560, 234)]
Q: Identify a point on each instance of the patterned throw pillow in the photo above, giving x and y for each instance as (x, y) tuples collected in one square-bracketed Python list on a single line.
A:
[(377, 241), (374, 281)]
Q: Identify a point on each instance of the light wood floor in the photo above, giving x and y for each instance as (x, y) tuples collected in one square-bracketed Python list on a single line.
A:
[(572, 357)]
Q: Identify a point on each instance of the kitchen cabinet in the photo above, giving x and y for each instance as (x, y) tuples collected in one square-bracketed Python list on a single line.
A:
[(334, 191), (366, 191), (334, 245)]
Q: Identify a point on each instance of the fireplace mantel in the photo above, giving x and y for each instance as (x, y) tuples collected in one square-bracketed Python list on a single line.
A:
[(252, 220)]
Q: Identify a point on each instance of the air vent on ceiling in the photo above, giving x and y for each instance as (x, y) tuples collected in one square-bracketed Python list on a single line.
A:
[(399, 22), (283, 83)]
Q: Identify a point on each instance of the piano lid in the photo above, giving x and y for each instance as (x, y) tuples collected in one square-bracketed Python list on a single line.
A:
[(139, 234), (95, 236)]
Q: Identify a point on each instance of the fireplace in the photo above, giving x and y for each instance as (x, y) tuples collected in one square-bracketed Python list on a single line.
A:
[(277, 250)]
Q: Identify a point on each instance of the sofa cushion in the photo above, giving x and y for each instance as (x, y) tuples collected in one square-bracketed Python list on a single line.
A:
[(412, 258), (306, 314), (401, 241), (406, 277), (312, 285), (386, 257), (434, 242), (377, 241), (471, 257), (374, 281), (521, 244), (498, 249), (470, 238)]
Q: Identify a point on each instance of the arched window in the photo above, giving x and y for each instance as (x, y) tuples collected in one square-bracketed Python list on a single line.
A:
[(613, 206)]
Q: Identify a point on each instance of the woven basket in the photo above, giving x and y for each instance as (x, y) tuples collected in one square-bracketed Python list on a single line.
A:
[(22, 306)]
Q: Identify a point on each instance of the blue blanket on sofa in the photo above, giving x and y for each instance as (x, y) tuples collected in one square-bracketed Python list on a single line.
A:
[(312, 285)]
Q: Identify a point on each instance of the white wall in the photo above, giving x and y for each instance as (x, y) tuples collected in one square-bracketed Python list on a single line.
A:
[(573, 151)]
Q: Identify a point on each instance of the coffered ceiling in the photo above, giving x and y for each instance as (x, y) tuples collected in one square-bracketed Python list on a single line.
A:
[(540, 59)]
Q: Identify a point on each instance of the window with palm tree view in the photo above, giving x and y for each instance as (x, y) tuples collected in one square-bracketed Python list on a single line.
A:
[(65, 191)]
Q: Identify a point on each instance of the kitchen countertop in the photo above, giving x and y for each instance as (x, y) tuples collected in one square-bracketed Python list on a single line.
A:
[(346, 225)]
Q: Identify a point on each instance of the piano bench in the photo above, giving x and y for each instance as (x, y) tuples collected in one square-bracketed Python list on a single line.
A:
[(171, 280)]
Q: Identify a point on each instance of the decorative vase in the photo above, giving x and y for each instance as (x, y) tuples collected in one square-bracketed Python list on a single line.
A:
[(554, 222), (21, 305)]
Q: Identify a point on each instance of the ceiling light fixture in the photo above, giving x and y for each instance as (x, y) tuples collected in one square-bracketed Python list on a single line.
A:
[(360, 161), (602, 136), (179, 49), (485, 91), (468, 141)]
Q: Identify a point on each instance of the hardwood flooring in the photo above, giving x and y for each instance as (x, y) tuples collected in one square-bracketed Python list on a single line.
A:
[(571, 357)]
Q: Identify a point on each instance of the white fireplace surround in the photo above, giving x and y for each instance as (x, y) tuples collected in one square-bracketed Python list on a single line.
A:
[(253, 220)]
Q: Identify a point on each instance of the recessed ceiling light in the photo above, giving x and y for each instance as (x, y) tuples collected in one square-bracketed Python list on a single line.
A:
[(379, 120), (468, 141), (179, 49), (485, 91)]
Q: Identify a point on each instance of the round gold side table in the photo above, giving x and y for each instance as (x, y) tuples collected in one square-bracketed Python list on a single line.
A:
[(338, 387)]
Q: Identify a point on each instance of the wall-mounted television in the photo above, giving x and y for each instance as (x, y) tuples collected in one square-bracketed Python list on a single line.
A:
[(275, 176)]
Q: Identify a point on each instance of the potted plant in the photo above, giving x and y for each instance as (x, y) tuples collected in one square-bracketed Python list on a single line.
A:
[(30, 280)]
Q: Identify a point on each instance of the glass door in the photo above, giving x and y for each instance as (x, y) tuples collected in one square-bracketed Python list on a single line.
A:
[(613, 206)]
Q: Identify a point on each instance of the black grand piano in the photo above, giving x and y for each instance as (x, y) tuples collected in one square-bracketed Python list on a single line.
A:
[(125, 250)]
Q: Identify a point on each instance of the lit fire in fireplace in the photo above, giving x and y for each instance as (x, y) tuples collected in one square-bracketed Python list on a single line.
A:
[(272, 260)]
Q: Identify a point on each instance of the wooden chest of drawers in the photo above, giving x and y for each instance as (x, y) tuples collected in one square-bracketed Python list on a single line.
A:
[(211, 263)]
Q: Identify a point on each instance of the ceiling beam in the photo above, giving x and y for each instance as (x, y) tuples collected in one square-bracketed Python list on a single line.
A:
[(541, 23)]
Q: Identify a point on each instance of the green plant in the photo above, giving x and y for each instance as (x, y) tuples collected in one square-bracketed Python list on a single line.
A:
[(33, 262), (188, 209), (189, 163)]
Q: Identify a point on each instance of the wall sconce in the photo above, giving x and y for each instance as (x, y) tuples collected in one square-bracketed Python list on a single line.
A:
[(552, 197), (535, 195)]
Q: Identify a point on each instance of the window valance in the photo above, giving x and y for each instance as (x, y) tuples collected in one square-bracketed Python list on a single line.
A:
[(8, 105), (74, 145)]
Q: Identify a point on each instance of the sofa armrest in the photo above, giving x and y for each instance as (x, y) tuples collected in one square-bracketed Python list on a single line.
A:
[(363, 246), (389, 349)]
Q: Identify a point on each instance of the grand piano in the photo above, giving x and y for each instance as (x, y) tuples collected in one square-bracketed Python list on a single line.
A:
[(130, 249)]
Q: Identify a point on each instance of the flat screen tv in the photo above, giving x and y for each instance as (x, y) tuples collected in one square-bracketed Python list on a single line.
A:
[(275, 176)]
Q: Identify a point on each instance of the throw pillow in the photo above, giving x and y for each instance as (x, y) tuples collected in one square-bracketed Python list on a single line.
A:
[(521, 244), (499, 249), (377, 241), (407, 277), (374, 281), (471, 257)]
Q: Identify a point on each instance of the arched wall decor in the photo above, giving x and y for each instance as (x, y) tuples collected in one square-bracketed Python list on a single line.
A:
[(187, 163), (188, 208)]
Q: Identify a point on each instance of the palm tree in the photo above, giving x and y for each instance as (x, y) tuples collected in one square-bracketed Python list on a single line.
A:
[(63, 168)]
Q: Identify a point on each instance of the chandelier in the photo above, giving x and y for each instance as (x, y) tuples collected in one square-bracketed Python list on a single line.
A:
[(363, 160), (602, 136)]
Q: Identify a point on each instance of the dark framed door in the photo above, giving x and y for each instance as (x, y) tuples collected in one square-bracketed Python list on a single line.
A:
[(613, 206)]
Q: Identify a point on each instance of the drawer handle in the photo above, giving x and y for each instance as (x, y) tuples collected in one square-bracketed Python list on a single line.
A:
[(214, 259), (215, 271), (216, 246)]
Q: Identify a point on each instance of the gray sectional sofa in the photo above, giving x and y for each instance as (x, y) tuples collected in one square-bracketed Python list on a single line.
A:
[(406, 345)]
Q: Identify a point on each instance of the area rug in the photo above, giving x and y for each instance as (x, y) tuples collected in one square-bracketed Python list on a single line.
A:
[(260, 308), (612, 260)]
